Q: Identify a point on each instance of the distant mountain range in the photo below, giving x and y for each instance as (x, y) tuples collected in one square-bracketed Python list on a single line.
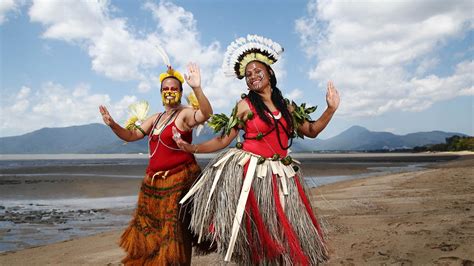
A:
[(98, 138)]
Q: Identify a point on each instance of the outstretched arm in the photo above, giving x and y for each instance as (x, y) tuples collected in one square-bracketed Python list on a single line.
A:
[(128, 135), (216, 143), (212, 145), (193, 78), (312, 129)]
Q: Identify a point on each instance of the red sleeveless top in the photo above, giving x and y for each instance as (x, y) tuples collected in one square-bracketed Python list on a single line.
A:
[(165, 153), (268, 145)]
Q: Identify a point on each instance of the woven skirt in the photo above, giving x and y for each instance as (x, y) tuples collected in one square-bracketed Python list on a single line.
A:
[(156, 234)]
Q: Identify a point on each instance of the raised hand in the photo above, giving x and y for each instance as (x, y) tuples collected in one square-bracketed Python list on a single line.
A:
[(106, 116), (332, 97), (193, 78)]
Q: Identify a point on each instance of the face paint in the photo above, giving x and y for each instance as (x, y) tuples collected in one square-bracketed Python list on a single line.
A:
[(171, 97), (260, 76), (256, 81)]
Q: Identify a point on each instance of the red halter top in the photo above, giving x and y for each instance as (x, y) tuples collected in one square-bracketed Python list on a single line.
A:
[(165, 153), (268, 145)]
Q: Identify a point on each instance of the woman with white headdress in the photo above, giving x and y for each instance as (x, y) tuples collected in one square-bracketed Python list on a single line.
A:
[(251, 200)]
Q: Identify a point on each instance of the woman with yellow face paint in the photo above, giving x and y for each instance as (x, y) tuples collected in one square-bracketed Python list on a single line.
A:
[(157, 234)]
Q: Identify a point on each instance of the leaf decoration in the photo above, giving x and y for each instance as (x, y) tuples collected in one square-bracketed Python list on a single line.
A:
[(300, 114), (220, 122)]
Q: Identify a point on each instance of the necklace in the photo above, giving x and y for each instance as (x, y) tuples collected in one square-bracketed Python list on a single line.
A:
[(159, 131), (278, 116)]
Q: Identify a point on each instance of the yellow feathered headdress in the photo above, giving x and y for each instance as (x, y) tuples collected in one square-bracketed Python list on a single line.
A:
[(171, 73)]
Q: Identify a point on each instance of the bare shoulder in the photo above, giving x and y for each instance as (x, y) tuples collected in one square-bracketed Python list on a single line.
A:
[(151, 118), (242, 106), (291, 108), (186, 111)]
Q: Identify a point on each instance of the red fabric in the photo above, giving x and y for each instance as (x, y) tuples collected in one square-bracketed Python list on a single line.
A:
[(165, 158), (270, 246), (305, 200), (254, 126), (253, 246), (297, 254)]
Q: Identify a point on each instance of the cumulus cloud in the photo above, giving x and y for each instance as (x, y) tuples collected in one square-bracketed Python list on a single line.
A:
[(179, 33), (380, 54), (115, 50), (9, 6), (120, 53), (53, 105), (294, 94)]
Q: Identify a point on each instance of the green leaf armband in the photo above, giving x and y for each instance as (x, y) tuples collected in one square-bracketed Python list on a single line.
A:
[(301, 114), (220, 122)]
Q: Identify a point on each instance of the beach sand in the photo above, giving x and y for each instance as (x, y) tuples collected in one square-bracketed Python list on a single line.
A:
[(424, 217)]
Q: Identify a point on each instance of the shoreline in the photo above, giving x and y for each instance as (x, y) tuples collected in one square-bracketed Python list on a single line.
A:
[(302, 155), (387, 203)]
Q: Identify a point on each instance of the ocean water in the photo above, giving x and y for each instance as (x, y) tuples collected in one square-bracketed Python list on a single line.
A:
[(316, 181), (32, 222)]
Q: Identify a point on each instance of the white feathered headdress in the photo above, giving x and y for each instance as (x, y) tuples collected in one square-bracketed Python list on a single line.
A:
[(245, 50)]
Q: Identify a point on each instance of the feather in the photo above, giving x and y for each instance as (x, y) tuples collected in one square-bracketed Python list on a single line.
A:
[(163, 55), (242, 45), (139, 110)]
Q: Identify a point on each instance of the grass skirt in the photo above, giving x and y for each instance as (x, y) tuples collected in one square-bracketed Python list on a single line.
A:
[(256, 212), (156, 234)]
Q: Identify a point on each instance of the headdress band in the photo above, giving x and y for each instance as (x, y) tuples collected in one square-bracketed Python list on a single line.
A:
[(245, 50), (172, 73)]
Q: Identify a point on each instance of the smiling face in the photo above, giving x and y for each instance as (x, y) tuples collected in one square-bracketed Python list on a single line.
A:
[(171, 92), (257, 76)]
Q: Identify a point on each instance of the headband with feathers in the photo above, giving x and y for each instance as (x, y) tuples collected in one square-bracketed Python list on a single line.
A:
[(245, 50)]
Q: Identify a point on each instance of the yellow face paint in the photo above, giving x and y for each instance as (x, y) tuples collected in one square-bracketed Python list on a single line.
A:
[(171, 97)]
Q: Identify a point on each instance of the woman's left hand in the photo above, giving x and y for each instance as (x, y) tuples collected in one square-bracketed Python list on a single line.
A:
[(182, 144), (332, 97), (193, 78)]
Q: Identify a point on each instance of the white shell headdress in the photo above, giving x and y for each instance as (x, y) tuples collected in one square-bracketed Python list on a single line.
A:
[(244, 50)]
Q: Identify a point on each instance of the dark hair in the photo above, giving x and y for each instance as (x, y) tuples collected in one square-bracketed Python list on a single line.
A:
[(277, 99), (180, 84)]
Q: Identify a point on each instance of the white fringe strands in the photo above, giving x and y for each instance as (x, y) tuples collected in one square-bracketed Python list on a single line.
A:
[(218, 208), (244, 45)]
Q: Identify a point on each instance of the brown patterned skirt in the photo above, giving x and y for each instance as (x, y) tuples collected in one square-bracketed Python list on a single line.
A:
[(157, 234)]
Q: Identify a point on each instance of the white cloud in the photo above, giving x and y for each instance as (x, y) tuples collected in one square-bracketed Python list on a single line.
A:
[(52, 105), (368, 48), (120, 53), (8, 6), (115, 51), (181, 41), (294, 94)]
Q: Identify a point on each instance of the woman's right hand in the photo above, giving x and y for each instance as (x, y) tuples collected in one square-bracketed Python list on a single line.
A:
[(106, 116)]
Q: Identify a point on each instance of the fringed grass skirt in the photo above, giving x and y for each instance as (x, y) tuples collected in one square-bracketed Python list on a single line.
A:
[(256, 212), (156, 234)]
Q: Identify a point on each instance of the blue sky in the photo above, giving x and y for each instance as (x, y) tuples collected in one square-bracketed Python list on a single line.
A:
[(400, 66)]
